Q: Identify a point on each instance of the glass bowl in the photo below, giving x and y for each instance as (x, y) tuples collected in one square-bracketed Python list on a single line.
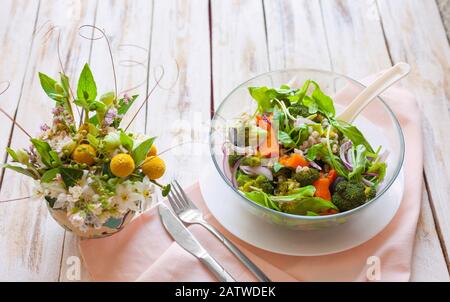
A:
[(377, 122)]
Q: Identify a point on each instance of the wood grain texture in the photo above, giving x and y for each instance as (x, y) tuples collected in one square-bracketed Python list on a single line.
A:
[(444, 7), (179, 110), (130, 38), (295, 35), (428, 259), (13, 31), (31, 244), (424, 46), (238, 44)]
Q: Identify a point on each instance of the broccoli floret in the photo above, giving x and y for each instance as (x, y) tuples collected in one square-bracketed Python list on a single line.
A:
[(298, 109), (242, 179), (248, 184), (252, 161), (233, 158), (264, 184), (306, 177), (350, 195), (371, 192), (286, 186)]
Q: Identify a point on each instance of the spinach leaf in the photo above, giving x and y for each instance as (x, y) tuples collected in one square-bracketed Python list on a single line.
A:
[(311, 104), (299, 194), (260, 95), (315, 151), (352, 133), (285, 139), (324, 102), (87, 89), (307, 205), (359, 159), (140, 152), (262, 199)]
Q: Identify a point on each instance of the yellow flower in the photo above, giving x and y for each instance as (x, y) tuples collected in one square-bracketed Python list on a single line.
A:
[(153, 167), (153, 151), (122, 165), (84, 154)]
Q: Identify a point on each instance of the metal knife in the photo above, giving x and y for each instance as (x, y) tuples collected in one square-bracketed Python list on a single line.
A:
[(187, 241)]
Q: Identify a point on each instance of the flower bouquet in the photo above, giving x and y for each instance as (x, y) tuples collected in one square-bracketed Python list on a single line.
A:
[(93, 175)]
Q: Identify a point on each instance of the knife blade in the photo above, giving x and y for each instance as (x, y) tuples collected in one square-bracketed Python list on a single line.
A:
[(187, 241)]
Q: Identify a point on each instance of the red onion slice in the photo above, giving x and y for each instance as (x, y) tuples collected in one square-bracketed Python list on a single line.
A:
[(225, 165), (344, 156), (234, 172), (258, 171), (315, 165), (367, 182)]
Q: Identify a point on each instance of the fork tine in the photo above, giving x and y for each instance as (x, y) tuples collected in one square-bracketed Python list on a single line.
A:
[(184, 203), (189, 201), (173, 204)]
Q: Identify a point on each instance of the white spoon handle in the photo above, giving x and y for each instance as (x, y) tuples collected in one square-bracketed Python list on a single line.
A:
[(388, 78)]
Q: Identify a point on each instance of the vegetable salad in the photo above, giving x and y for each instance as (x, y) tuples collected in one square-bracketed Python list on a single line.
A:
[(294, 156)]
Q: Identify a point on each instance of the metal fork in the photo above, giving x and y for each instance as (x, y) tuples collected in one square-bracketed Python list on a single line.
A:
[(186, 210)]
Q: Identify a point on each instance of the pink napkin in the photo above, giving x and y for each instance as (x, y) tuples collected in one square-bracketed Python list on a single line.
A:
[(143, 251)]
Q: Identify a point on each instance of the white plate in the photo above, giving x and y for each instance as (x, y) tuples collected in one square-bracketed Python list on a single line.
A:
[(229, 210)]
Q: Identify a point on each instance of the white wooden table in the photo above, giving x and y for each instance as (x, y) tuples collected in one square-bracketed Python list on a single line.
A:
[(217, 44)]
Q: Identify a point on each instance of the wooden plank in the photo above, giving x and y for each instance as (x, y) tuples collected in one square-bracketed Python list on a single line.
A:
[(444, 7), (239, 48), (13, 35), (424, 46), (428, 262), (355, 37), (181, 114), (295, 34), (31, 244), (130, 39)]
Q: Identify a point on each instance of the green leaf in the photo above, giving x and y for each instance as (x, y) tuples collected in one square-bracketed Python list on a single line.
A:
[(285, 139), (48, 84), (49, 175), (262, 198), (12, 153), (324, 102), (87, 89), (307, 205), (20, 170), (55, 160), (359, 160), (380, 168), (70, 176), (140, 152), (315, 151), (310, 213), (93, 141), (260, 95), (300, 193), (311, 104), (123, 107), (352, 133), (277, 167), (65, 83), (166, 190), (126, 141), (43, 148)]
